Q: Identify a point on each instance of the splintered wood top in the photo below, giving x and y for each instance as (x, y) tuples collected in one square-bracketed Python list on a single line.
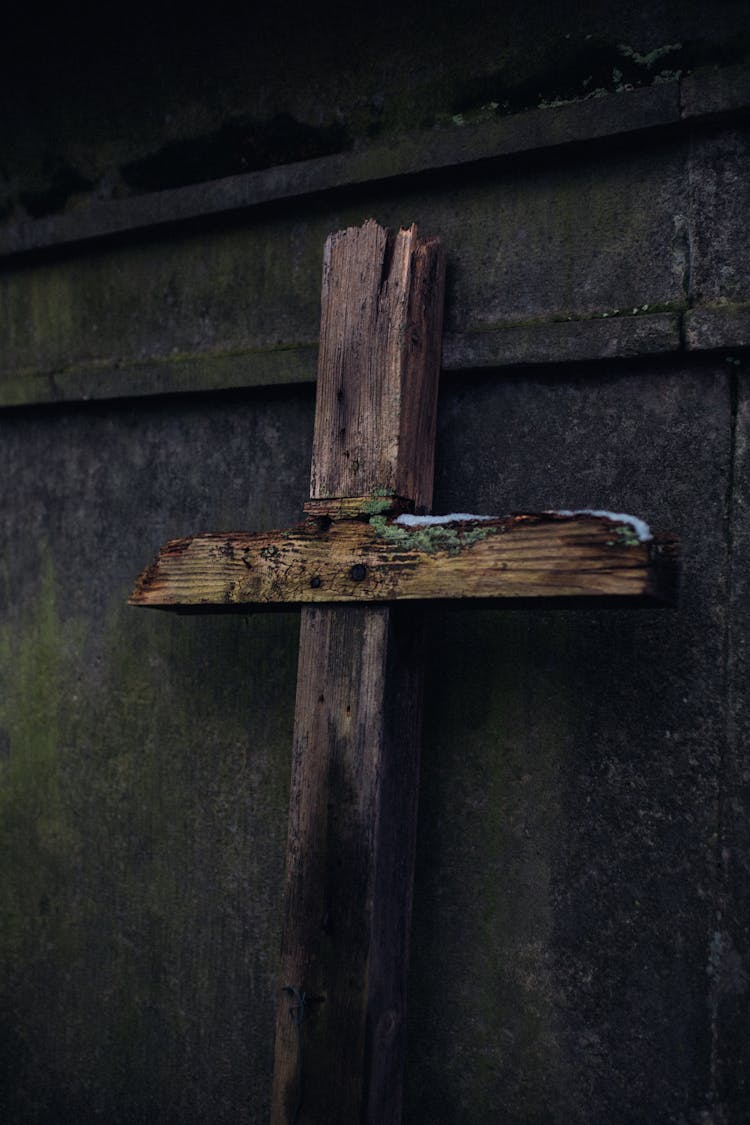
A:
[(375, 559), (378, 364)]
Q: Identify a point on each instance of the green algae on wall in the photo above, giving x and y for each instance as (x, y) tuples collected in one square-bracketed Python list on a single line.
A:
[(142, 829), (483, 1001), (41, 842), (106, 307)]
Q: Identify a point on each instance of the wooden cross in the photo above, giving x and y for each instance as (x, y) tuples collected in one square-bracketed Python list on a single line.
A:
[(359, 558)]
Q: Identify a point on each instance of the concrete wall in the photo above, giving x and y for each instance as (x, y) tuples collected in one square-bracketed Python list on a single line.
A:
[(581, 930)]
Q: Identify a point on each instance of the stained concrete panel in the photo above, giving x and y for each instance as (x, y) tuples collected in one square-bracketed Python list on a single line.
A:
[(571, 774), (729, 966), (605, 233), (145, 766), (720, 199)]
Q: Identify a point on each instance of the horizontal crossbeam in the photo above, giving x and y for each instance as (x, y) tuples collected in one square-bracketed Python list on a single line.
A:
[(367, 557)]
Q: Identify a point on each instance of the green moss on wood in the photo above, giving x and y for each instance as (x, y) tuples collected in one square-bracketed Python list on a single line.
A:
[(429, 538), (379, 501), (626, 536)]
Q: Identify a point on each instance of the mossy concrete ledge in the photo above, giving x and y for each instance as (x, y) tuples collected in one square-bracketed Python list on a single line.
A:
[(539, 342), (577, 122), (705, 94)]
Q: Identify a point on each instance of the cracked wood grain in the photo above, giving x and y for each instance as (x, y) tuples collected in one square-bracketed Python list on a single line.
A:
[(376, 560)]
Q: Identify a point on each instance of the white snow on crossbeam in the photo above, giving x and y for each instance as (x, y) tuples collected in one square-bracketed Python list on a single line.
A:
[(407, 520), (639, 526)]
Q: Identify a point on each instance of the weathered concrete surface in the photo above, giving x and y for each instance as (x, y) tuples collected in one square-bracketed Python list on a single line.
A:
[(572, 778), (729, 965), (720, 190), (178, 101), (526, 247), (719, 174), (712, 97), (425, 151), (620, 251), (144, 763), (567, 890)]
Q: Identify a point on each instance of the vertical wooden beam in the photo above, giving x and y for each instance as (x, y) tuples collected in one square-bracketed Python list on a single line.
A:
[(352, 819), (378, 364)]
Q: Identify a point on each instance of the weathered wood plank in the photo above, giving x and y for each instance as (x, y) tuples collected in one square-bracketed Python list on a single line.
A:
[(379, 328), (352, 811), (378, 559), (349, 867)]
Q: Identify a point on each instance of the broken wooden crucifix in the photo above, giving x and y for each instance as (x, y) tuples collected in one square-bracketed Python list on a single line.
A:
[(358, 565)]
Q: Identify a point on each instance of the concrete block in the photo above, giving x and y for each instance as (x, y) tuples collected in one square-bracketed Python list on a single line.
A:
[(554, 242), (720, 200), (572, 774)]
